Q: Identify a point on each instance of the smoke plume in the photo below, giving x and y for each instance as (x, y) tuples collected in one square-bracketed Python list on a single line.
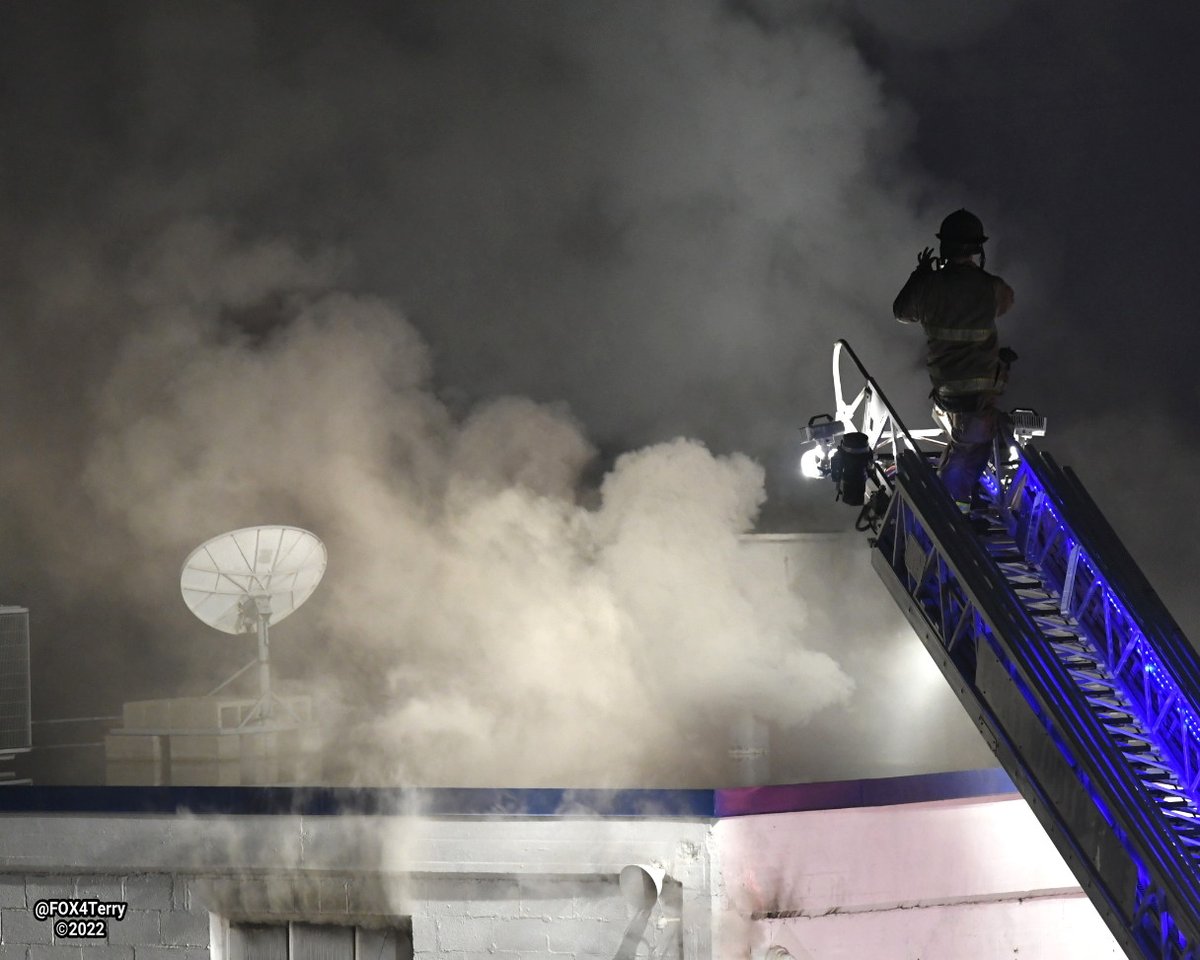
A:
[(496, 627), (413, 277)]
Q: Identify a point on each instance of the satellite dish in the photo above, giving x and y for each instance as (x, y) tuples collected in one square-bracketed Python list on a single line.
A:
[(246, 580), (280, 564)]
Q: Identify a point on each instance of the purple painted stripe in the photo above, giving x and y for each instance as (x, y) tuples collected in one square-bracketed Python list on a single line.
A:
[(746, 801)]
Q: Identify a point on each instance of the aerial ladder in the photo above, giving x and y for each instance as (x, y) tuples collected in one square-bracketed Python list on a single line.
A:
[(1069, 664)]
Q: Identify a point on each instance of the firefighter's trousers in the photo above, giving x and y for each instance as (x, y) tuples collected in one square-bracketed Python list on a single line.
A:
[(974, 423)]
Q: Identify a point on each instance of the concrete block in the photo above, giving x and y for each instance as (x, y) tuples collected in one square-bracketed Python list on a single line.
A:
[(170, 953), (611, 907), (499, 909), (18, 925), (100, 950), (333, 895), (108, 889), (247, 898), (477, 897), (134, 773), (205, 773), (282, 897), (546, 907), (490, 955), (182, 893), (522, 935), (14, 951), (437, 909), (444, 896), (12, 891), (133, 747), (458, 933), (58, 951), (215, 894), (586, 937), (372, 895), (139, 926), (149, 891), (204, 747), (424, 936), (256, 896), (178, 928), (307, 897), (48, 887)]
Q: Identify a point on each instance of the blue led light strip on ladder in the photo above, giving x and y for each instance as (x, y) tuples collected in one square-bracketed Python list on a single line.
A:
[(1163, 703), (1076, 676), (1145, 675)]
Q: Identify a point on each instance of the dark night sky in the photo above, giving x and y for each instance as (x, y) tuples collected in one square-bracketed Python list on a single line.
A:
[(1076, 127), (657, 216)]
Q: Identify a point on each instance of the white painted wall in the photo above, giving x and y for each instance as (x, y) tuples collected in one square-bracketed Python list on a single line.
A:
[(926, 881)]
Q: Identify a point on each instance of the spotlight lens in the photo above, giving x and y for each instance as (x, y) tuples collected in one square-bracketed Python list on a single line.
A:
[(810, 463)]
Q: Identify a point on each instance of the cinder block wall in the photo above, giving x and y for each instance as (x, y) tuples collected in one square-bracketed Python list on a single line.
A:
[(511, 918), (468, 918), (464, 917), (163, 921), (494, 888)]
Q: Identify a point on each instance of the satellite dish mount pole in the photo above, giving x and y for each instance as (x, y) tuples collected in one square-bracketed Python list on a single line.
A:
[(255, 617), (263, 707)]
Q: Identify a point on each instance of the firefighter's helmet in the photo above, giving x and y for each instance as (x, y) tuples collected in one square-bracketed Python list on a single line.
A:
[(962, 227)]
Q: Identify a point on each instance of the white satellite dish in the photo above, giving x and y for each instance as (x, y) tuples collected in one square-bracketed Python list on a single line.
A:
[(246, 580)]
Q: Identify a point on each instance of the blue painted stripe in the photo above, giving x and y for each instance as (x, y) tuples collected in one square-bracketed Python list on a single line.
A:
[(486, 802), (337, 801)]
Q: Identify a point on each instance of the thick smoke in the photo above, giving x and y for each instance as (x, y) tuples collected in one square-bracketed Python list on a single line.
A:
[(663, 216), (496, 631), (558, 232)]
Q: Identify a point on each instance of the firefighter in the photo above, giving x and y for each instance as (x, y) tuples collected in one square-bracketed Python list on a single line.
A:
[(957, 302)]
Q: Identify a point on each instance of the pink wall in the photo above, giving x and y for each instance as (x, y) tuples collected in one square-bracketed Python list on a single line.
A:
[(924, 881)]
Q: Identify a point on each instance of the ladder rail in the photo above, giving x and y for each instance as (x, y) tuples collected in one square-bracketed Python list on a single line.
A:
[(1140, 601), (1012, 654), (1144, 647)]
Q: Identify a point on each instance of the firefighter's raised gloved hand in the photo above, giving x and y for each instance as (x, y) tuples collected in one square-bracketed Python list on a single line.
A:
[(926, 260), (1007, 355)]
